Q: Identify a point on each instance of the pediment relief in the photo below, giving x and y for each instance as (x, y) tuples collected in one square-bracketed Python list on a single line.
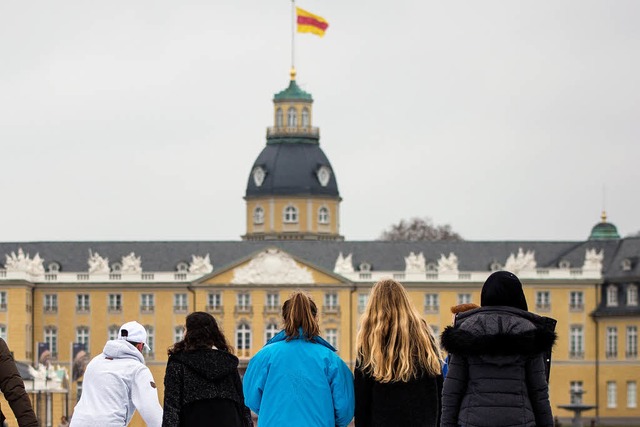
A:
[(272, 266)]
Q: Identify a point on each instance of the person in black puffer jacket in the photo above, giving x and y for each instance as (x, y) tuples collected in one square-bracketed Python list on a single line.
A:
[(202, 385), (497, 375)]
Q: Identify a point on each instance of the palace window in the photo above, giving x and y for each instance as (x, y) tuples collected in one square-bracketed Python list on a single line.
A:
[(323, 215), (258, 215), (270, 331), (243, 339), (3, 300), (51, 303), (115, 303), (82, 303), (150, 339), (612, 342), (305, 117), (82, 336), (543, 300), (3, 332), (612, 394), (576, 341), (632, 295), (279, 117), (290, 214), (576, 392), (51, 338), (112, 332), (272, 300), (331, 335), (180, 304), (178, 334), (292, 119), (464, 298), (632, 394), (431, 303), (363, 299), (147, 303), (612, 296), (632, 342), (576, 300), (214, 300), (331, 300), (243, 300)]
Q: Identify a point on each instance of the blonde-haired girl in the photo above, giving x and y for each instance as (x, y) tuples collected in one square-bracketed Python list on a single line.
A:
[(398, 379)]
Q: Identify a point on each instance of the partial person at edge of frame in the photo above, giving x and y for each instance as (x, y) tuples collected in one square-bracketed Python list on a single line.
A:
[(398, 379), (12, 387), (297, 379)]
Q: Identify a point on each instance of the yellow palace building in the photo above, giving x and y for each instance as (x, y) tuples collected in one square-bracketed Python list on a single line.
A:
[(59, 293)]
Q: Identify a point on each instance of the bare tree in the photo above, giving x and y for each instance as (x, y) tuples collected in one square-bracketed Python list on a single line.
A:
[(419, 229)]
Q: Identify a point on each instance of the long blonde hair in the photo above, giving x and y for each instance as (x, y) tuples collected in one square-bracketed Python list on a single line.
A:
[(394, 342)]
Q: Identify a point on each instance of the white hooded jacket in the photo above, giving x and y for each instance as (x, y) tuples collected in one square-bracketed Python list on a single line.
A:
[(116, 383)]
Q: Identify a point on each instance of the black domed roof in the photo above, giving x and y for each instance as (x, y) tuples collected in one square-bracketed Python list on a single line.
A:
[(292, 169)]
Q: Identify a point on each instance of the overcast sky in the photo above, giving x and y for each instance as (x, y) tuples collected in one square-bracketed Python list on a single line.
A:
[(141, 119)]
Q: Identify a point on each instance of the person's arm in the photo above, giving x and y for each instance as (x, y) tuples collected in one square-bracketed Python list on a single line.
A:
[(363, 385), (538, 388), (246, 412), (13, 389), (144, 396), (453, 390), (254, 380), (173, 380), (341, 383)]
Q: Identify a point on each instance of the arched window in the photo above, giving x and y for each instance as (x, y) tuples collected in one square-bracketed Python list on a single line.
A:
[(323, 215), (290, 214), (612, 296), (632, 295), (258, 215), (178, 334), (270, 331), (292, 118), (305, 117), (112, 332), (243, 339), (279, 117)]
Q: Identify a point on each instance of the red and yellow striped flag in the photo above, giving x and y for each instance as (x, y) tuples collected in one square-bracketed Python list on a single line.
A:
[(310, 23)]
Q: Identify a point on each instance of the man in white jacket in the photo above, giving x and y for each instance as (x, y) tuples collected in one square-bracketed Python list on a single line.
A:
[(117, 382)]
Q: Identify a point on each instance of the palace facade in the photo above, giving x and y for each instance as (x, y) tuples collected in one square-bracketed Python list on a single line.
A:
[(64, 292)]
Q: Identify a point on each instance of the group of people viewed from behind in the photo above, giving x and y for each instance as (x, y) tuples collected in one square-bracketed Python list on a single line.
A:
[(495, 373)]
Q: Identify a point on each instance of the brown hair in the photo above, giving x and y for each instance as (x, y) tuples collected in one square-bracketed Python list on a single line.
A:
[(461, 308), (299, 312), (394, 342), (202, 332)]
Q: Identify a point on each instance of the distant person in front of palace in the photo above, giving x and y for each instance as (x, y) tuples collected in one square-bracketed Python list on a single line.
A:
[(398, 379), (202, 385), (12, 388), (497, 370), (460, 308), (297, 379), (117, 383)]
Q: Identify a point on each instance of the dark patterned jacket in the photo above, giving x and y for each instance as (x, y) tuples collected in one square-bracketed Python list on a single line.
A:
[(202, 388), (497, 375)]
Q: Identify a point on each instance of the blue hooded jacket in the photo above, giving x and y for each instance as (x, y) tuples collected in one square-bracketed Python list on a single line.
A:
[(299, 383)]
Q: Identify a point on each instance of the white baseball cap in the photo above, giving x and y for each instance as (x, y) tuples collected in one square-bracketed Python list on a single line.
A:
[(134, 332)]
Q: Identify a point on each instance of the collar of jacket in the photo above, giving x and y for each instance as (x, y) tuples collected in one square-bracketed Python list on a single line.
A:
[(499, 330), (281, 336)]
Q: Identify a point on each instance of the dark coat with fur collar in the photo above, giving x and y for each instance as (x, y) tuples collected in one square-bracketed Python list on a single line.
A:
[(496, 375)]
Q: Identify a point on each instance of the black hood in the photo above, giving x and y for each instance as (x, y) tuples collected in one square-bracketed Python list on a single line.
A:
[(207, 363), (498, 330)]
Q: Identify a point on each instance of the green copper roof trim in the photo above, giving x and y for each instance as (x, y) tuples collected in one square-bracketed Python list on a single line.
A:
[(604, 231), (293, 93), (293, 140)]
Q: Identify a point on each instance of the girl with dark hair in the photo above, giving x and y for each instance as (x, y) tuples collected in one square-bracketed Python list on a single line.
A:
[(497, 375), (202, 386), (297, 379)]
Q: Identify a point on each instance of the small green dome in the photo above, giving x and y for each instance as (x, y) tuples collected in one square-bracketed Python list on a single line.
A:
[(293, 92), (604, 230)]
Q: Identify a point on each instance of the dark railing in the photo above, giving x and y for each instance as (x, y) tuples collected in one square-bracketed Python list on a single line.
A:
[(273, 132)]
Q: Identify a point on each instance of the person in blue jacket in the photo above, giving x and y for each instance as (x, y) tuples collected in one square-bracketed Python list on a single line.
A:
[(297, 379)]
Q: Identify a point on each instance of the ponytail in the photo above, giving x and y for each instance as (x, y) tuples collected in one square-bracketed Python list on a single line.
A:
[(299, 312)]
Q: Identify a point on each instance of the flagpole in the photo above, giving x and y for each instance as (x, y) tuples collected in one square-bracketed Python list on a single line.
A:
[(293, 34)]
